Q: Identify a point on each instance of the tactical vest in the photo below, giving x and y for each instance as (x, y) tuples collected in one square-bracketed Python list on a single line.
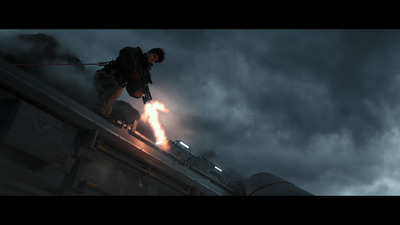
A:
[(132, 71)]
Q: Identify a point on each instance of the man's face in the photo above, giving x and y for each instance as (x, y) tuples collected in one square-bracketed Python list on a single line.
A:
[(152, 58)]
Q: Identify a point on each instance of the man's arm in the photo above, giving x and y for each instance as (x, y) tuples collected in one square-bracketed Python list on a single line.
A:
[(138, 77)]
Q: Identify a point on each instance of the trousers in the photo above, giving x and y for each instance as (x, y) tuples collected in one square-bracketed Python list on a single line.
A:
[(107, 90)]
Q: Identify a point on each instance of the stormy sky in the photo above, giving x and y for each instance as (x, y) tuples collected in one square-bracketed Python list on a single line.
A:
[(316, 107)]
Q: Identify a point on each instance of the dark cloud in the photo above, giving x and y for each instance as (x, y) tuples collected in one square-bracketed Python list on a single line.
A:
[(326, 81), (316, 107), (295, 90)]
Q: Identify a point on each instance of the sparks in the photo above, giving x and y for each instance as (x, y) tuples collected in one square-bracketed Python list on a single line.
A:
[(151, 117)]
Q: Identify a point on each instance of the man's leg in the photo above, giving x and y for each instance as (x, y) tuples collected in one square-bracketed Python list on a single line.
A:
[(108, 90)]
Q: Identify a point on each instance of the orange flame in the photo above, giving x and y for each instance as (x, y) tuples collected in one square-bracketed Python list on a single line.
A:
[(150, 116)]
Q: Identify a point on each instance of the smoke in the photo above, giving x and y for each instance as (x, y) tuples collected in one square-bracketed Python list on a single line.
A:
[(74, 81)]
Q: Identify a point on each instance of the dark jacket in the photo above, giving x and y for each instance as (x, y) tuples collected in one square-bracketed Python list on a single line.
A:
[(132, 70), (132, 65)]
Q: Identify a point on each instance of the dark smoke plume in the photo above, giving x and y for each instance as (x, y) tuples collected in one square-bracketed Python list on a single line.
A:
[(74, 81), (41, 48)]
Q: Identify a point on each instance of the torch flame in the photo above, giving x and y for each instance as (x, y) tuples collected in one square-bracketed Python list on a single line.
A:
[(150, 116)]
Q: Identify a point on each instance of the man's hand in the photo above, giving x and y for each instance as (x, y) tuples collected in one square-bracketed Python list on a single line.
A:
[(146, 97)]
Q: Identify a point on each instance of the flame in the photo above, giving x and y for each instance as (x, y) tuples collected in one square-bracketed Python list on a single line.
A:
[(150, 116)]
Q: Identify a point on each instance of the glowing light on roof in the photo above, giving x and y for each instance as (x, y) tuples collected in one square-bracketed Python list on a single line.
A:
[(217, 168), (187, 146)]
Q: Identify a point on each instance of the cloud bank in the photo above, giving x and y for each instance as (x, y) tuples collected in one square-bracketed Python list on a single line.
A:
[(316, 107)]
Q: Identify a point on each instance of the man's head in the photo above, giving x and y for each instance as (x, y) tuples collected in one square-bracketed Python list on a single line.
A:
[(156, 55)]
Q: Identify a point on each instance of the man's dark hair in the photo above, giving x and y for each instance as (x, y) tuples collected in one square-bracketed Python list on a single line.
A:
[(159, 52)]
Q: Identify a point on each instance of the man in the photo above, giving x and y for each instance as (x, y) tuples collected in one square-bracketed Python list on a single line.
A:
[(131, 69)]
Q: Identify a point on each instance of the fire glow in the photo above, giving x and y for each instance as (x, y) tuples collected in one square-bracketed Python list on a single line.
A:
[(151, 116)]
